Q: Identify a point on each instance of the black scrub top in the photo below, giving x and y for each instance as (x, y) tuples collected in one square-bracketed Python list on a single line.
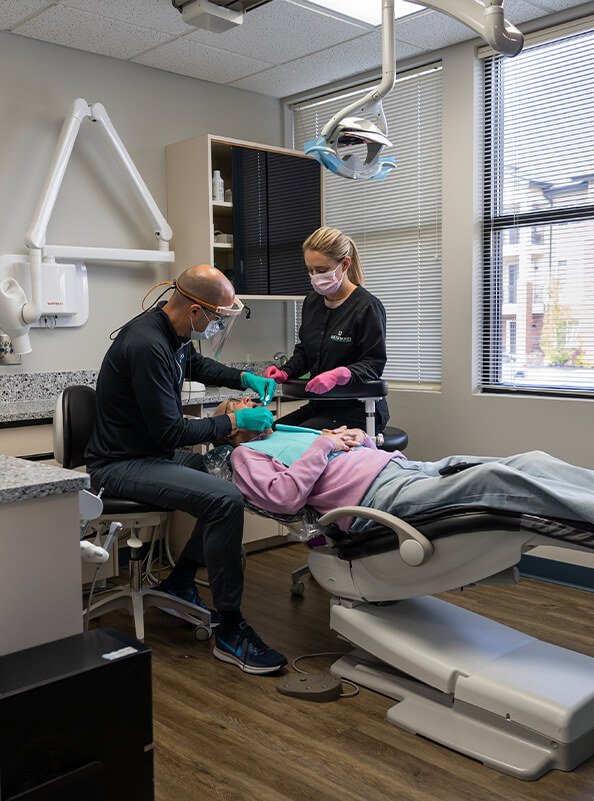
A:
[(353, 335)]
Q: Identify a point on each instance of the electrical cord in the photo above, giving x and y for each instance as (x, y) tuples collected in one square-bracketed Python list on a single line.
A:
[(326, 653)]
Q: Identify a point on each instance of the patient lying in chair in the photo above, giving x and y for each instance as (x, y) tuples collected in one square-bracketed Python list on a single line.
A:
[(284, 470)]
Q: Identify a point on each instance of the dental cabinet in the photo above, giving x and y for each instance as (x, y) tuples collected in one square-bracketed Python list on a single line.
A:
[(40, 571), (255, 238)]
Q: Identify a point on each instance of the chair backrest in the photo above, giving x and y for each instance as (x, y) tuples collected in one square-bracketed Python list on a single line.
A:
[(74, 417)]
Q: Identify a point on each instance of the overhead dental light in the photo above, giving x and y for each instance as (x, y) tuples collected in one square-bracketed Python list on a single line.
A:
[(38, 291), (348, 132)]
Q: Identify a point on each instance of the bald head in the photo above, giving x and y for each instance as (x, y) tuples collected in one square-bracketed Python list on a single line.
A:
[(205, 283)]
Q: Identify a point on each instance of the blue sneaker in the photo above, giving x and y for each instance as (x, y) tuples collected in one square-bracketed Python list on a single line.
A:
[(244, 648), (190, 594)]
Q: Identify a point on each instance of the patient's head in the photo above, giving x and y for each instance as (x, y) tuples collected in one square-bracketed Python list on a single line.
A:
[(239, 435)]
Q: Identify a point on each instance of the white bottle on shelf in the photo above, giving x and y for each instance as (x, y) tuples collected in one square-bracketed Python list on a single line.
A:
[(218, 187)]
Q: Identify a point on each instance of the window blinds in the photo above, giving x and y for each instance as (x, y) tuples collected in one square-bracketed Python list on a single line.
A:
[(395, 223), (538, 244)]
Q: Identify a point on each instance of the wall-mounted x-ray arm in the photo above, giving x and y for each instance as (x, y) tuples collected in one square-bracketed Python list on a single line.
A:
[(17, 312), (345, 131)]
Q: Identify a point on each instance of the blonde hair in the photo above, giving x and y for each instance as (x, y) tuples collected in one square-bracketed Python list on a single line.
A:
[(337, 246)]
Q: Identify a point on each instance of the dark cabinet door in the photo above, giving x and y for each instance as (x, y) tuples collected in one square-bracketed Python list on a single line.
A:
[(250, 221), (294, 211), (276, 205)]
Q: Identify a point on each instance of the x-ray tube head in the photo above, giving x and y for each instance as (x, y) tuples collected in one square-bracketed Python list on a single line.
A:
[(12, 301)]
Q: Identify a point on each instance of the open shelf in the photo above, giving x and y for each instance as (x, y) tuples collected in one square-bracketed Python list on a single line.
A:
[(222, 208), (223, 246)]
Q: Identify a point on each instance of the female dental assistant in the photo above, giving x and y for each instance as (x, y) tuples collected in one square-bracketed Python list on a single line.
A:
[(342, 337)]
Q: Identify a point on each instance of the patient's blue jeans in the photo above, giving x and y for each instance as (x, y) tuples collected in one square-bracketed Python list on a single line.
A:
[(529, 483), (182, 483)]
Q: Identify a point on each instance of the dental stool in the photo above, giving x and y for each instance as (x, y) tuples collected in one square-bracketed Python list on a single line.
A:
[(74, 417), (368, 392)]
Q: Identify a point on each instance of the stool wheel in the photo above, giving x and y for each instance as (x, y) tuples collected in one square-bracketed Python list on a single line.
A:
[(203, 633), (298, 590)]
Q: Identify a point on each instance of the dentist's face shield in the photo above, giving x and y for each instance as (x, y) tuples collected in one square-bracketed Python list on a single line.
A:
[(221, 320)]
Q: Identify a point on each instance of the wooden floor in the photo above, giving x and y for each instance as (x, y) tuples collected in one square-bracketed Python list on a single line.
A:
[(223, 736)]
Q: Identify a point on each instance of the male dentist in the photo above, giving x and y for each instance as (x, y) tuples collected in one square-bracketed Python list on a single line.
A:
[(134, 448)]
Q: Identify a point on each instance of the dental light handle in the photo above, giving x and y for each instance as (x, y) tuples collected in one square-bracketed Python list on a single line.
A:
[(371, 102)]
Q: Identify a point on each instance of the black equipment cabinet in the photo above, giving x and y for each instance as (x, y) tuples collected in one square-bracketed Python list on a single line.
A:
[(77, 726), (277, 205)]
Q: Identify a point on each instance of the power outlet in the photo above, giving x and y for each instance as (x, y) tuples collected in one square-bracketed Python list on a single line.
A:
[(7, 355)]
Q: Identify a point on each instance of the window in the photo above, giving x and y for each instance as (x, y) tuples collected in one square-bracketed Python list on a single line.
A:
[(539, 179), (396, 223), (512, 283)]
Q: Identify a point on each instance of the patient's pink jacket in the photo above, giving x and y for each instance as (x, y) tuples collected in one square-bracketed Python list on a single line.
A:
[(312, 479)]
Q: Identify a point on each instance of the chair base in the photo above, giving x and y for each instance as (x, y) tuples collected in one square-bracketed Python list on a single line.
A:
[(516, 704), (137, 601)]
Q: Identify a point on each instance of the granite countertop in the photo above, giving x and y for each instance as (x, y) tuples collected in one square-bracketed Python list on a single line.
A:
[(22, 480), (32, 396)]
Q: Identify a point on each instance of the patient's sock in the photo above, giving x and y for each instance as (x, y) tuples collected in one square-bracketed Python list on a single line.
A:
[(184, 573)]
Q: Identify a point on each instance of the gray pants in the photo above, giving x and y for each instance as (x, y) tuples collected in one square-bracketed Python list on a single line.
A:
[(181, 483)]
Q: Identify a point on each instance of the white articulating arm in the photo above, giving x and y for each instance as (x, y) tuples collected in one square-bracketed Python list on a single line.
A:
[(160, 225), (19, 315), (487, 19), (415, 548)]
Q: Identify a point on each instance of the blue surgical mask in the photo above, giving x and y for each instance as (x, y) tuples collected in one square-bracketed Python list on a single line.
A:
[(213, 327)]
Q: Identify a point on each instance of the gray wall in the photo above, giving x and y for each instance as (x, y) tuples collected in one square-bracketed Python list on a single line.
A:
[(149, 109)]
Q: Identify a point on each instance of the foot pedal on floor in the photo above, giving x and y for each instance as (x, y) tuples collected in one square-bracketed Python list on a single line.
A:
[(311, 686)]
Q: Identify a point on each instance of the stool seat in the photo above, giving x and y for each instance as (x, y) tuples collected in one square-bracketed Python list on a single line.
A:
[(123, 506), (395, 439)]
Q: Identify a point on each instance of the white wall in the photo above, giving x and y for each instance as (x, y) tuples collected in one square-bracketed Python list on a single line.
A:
[(149, 109), (458, 420)]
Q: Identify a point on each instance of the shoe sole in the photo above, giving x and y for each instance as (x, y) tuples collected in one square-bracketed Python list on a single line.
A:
[(224, 656)]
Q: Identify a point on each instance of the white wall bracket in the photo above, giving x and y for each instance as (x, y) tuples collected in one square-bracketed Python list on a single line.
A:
[(20, 309)]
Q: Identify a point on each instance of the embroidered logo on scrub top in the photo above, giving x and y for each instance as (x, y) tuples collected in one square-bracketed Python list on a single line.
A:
[(339, 337)]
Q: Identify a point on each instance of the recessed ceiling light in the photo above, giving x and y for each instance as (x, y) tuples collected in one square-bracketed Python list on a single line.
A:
[(369, 11)]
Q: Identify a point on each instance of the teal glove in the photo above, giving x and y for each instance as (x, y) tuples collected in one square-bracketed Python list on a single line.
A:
[(255, 419), (265, 387)]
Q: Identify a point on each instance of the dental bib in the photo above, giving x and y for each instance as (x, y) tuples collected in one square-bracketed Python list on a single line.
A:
[(287, 443)]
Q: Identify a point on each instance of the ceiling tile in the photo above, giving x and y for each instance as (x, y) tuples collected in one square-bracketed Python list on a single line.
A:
[(14, 11), (430, 30), (341, 61), (281, 31), (187, 57), (557, 5), (157, 14), (521, 10), (89, 32)]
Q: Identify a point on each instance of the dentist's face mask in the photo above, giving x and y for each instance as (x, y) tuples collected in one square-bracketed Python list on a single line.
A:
[(328, 283), (212, 328)]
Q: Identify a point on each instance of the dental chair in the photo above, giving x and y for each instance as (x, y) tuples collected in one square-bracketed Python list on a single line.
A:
[(73, 423), (513, 702)]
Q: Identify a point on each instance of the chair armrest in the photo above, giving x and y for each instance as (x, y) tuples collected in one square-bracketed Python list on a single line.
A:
[(415, 548), (359, 390)]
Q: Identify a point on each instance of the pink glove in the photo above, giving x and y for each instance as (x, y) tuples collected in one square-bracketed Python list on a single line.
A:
[(324, 382), (278, 375)]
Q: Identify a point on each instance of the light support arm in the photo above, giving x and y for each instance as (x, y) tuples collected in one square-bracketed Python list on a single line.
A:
[(371, 102), (487, 19)]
